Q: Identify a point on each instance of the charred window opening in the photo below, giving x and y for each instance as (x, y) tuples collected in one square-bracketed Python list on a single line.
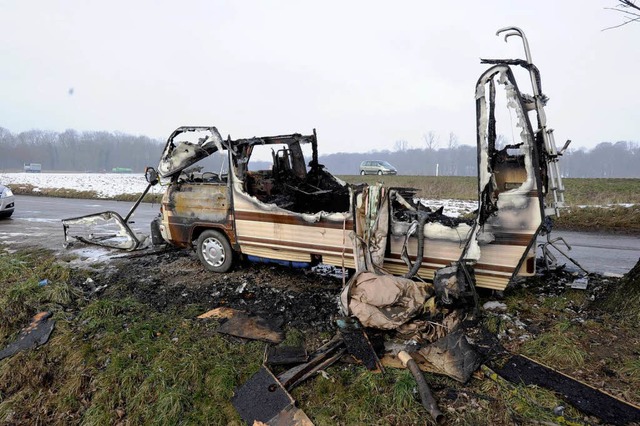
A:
[(404, 208), (287, 182)]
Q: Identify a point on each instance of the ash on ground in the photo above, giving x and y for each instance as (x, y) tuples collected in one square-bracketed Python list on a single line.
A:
[(171, 280)]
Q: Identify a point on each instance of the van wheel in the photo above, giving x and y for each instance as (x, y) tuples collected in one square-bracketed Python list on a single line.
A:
[(362, 172), (379, 172), (214, 251)]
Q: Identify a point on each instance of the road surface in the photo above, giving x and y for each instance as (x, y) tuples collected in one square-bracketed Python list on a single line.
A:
[(37, 221)]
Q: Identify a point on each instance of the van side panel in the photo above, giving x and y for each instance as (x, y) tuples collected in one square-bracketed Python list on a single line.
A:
[(268, 231), (187, 206)]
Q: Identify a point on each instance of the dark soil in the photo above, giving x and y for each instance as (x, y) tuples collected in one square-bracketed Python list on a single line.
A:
[(174, 279)]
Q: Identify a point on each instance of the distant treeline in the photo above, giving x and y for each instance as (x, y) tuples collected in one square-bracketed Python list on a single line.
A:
[(77, 151), (103, 151), (606, 160)]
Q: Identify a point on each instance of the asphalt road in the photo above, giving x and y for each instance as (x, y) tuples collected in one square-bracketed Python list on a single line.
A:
[(37, 221), (603, 253)]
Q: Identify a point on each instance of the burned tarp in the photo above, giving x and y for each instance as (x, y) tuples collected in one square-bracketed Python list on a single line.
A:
[(383, 301), (453, 356)]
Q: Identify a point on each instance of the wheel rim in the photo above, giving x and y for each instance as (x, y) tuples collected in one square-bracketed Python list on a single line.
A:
[(213, 252)]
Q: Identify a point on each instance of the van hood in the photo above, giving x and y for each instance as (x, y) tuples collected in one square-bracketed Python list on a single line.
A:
[(187, 146)]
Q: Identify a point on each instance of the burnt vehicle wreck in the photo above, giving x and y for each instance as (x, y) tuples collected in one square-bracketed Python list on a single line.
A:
[(416, 268), (291, 211)]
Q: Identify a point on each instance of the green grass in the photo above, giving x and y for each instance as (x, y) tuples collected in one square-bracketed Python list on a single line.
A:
[(557, 347)]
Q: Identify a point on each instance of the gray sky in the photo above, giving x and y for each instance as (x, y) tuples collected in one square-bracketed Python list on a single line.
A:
[(365, 73)]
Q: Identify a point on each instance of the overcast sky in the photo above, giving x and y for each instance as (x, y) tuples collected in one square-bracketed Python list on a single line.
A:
[(365, 73)]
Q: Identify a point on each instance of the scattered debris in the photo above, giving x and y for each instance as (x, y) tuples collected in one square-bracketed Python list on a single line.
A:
[(426, 396), (323, 357), (520, 369), (494, 306), (580, 283), (44, 282), (358, 344), (263, 399), (36, 334), (453, 356), (283, 355), (247, 326)]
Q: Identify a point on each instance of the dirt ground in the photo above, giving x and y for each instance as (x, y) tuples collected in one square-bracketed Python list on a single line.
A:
[(542, 317), (174, 279)]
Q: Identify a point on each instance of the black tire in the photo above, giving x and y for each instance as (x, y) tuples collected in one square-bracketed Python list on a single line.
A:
[(362, 172), (379, 172), (214, 251), (5, 215)]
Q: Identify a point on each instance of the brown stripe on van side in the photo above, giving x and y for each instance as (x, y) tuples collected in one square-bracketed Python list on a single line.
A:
[(291, 220), (310, 247)]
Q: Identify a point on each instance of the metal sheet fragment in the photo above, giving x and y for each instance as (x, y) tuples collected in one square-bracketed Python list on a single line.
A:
[(36, 334)]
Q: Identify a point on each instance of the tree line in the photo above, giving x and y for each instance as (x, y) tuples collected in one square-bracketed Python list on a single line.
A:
[(75, 151), (99, 151)]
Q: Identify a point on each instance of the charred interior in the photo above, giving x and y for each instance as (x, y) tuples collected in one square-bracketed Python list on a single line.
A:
[(289, 184), (405, 208)]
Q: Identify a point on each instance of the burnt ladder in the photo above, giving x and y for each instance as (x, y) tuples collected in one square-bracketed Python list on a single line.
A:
[(552, 154)]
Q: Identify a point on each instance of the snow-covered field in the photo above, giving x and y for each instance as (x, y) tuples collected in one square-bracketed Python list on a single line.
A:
[(108, 185)]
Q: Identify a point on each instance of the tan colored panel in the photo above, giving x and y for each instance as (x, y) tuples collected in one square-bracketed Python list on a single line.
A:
[(289, 255)]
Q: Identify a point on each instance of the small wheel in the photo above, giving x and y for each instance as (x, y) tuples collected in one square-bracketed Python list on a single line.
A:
[(214, 251), (362, 173), (379, 172)]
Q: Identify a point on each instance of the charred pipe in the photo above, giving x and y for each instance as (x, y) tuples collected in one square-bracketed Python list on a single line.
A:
[(422, 220), (423, 388)]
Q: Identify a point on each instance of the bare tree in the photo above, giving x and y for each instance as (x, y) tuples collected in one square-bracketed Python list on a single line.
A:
[(401, 145), (630, 11), (453, 141), (431, 140)]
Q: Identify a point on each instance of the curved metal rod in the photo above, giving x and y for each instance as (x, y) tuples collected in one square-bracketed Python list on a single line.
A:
[(515, 31)]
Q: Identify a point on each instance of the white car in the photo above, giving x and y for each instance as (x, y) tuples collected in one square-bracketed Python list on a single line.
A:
[(7, 201)]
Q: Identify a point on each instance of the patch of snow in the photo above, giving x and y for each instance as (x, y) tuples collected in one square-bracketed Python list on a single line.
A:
[(452, 208), (106, 185), (605, 206), (494, 305)]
